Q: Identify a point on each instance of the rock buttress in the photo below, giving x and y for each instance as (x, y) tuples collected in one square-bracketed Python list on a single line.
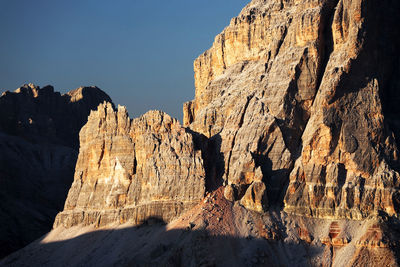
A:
[(302, 89), (255, 88), (348, 165)]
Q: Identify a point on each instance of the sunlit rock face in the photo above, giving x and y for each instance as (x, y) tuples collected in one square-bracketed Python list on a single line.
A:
[(130, 170), (38, 150), (296, 115), (306, 91)]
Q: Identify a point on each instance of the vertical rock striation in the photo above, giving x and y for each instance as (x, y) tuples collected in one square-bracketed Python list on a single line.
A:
[(295, 120), (255, 88), (304, 90), (131, 170), (348, 164)]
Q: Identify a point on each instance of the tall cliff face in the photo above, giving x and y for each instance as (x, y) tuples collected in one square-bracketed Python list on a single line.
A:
[(294, 129), (130, 170), (255, 88), (38, 143), (356, 158), (305, 91)]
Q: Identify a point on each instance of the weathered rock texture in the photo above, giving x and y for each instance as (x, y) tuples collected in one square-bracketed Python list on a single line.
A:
[(130, 170), (305, 90), (349, 158), (38, 143), (296, 115)]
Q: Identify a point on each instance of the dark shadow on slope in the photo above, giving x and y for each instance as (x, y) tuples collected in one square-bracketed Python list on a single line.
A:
[(151, 244), (393, 225)]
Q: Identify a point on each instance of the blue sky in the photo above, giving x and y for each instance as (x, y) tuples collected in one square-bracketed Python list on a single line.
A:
[(140, 52)]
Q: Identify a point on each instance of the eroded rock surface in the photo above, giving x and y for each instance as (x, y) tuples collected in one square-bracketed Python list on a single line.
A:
[(295, 121), (349, 157), (304, 90), (130, 170), (256, 85)]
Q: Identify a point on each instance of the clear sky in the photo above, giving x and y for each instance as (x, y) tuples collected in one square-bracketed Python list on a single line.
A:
[(140, 52)]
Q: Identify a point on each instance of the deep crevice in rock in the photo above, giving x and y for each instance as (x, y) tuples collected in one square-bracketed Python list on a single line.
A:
[(213, 159), (327, 45)]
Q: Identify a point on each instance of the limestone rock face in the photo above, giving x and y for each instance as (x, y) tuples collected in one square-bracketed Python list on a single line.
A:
[(295, 123), (305, 91), (38, 143), (348, 164), (256, 85), (131, 170)]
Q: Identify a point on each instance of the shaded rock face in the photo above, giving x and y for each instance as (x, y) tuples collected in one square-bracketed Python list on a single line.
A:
[(130, 170), (38, 143), (306, 91), (40, 115)]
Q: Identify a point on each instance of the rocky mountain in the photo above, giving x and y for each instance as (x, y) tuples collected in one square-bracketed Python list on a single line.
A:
[(288, 155), (303, 90), (130, 170), (39, 146)]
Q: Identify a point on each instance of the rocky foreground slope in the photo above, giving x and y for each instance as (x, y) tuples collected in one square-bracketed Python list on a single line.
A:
[(38, 150), (291, 143)]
